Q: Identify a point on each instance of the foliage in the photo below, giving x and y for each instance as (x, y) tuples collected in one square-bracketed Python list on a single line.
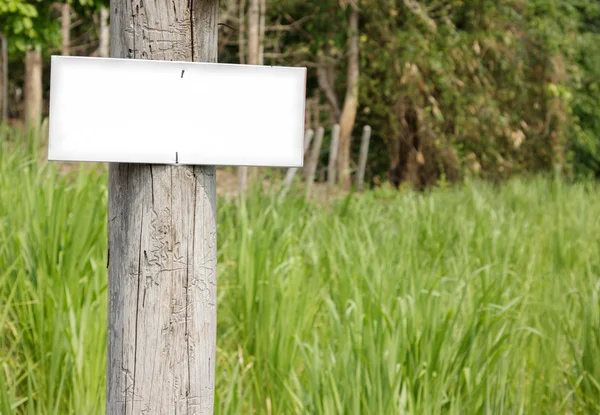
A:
[(452, 88), (35, 23), (585, 144), (28, 23), (473, 299), (52, 284)]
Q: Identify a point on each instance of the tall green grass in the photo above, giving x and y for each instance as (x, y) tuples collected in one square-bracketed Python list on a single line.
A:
[(477, 299), (52, 284)]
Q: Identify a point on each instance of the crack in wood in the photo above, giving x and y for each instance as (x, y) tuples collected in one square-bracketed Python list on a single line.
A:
[(137, 308), (192, 27)]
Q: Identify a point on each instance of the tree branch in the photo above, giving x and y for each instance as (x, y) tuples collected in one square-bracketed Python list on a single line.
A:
[(325, 84)]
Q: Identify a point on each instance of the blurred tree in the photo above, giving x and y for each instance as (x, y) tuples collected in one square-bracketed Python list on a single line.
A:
[(585, 132), (33, 30)]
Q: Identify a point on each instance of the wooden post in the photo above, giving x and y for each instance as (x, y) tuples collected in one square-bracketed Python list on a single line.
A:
[(3, 78), (289, 177), (316, 120), (162, 240), (313, 160), (333, 152), (316, 111), (362, 160)]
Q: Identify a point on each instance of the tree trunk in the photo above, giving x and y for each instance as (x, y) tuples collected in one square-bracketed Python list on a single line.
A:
[(351, 101), (243, 170), (103, 49), (3, 79), (253, 59), (33, 87), (253, 32), (162, 240), (65, 29), (242, 32), (326, 85), (261, 32)]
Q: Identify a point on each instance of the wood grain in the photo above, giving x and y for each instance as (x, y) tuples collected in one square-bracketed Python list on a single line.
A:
[(162, 240)]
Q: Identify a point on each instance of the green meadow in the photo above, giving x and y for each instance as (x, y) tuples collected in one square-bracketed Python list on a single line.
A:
[(473, 299)]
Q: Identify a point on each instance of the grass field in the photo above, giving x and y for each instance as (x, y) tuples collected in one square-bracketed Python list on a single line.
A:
[(470, 300)]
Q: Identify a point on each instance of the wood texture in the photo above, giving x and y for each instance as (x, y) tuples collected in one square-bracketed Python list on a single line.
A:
[(333, 153), (162, 240), (313, 160), (362, 160), (289, 177)]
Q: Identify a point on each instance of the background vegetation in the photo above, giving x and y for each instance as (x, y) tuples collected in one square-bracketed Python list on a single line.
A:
[(452, 88), (478, 299)]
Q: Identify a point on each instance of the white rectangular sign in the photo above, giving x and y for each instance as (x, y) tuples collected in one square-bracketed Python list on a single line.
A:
[(162, 112)]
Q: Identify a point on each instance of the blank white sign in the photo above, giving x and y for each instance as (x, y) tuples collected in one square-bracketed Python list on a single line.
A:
[(161, 112)]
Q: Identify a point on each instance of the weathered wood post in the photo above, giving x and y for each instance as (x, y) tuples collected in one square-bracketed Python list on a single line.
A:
[(291, 173), (333, 154), (162, 239), (313, 160), (362, 160)]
